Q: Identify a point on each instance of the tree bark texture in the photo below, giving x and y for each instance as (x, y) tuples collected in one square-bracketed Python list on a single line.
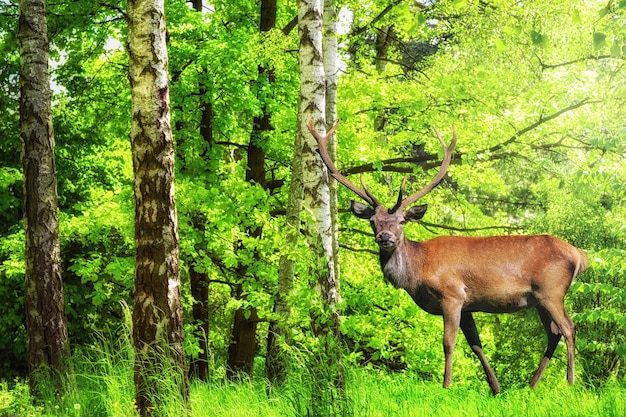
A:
[(243, 343), (330, 287), (157, 315), (328, 395), (331, 72), (384, 36), (313, 107), (316, 190), (199, 282), (46, 325)]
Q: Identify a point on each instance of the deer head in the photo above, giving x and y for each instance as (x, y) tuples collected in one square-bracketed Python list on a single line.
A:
[(387, 224)]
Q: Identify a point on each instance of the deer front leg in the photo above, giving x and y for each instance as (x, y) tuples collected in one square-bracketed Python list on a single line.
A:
[(451, 322)]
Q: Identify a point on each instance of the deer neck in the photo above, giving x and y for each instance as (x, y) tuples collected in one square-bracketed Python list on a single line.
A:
[(397, 264)]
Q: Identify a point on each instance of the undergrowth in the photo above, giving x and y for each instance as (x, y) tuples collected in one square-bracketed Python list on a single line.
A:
[(103, 387)]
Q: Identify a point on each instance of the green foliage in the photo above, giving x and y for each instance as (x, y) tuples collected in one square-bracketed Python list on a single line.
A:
[(12, 330), (600, 301), (97, 250), (10, 203)]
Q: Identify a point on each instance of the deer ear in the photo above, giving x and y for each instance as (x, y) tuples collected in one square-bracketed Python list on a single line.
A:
[(415, 213), (362, 211)]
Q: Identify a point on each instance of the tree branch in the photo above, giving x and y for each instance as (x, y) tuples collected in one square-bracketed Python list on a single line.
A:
[(574, 61), (220, 281), (538, 123), (380, 15), (293, 23), (351, 249), (430, 161), (390, 165), (470, 229)]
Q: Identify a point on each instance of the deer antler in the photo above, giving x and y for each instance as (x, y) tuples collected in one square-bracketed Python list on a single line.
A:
[(322, 142), (447, 158)]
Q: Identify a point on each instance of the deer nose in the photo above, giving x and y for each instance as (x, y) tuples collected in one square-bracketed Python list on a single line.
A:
[(384, 238)]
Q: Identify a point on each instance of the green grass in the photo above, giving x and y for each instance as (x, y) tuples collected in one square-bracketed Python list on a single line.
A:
[(371, 394), (103, 387), (385, 396)]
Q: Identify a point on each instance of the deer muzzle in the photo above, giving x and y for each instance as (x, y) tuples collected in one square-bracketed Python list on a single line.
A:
[(386, 240)]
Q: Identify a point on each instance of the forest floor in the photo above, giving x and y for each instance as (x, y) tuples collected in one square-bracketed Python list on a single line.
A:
[(371, 394)]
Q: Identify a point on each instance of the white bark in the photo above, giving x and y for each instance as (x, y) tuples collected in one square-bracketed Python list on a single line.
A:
[(315, 178), (331, 71)]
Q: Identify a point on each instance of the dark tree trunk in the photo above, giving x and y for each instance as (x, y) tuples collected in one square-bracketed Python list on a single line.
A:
[(199, 281), (200, 293), (384, 37), (243, 345), (157, 314), (206, 104), (46, 326)]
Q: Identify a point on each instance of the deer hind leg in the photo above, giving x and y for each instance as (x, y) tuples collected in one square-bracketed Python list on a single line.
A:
[(468, 326), (451, 322), (556, 322)]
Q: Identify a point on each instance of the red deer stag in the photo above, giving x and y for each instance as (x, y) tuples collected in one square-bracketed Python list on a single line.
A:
[(454, 276)]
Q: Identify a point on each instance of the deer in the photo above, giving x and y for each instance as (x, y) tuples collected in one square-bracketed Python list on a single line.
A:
[(456, 276)]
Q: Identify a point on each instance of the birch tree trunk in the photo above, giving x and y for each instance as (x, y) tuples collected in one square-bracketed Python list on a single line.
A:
[(315, 180), (276, 362), (310, 187), (157, 315), (328, 395), (46, 325), (331, 72)]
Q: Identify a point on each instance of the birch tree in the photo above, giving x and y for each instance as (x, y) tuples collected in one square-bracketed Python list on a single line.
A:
[(328, 396), (331, 72), (157, 315), (48, 346)]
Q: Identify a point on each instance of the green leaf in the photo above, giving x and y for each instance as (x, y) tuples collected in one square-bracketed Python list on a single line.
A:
[(616, 50), (459, 3), (599, 40), (500, 45), (512, 30), (538, 39), (603, 12)]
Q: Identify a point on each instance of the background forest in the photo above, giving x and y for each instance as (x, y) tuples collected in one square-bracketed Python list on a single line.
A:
[(536, 90)]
